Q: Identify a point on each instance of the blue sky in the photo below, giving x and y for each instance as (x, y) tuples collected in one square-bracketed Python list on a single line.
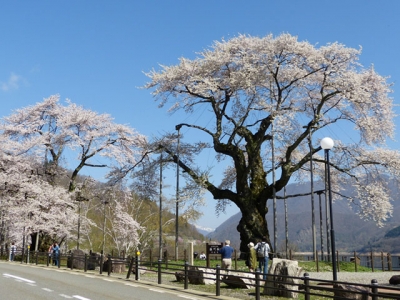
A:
[(95, 52)]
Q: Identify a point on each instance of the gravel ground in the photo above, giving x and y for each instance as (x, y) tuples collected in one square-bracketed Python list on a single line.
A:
[(356, 277)]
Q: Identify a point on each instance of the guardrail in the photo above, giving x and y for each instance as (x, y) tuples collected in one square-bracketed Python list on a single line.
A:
[(275, 284)]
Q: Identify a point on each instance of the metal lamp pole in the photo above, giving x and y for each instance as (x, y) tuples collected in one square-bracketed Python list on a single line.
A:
[(104, 226), (321, 224), (314, 235), (79, 198), (327, 144), (177, 127), (160, 229)]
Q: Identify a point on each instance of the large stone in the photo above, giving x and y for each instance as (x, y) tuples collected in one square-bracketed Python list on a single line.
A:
[(239, 280), (117, 266), (197, 275), (344, 291), (76, 260), (395, 279), (283, 278), (94, 261)]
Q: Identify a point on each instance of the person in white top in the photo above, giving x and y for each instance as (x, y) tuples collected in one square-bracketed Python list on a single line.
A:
[(262, 250), (13, 251)]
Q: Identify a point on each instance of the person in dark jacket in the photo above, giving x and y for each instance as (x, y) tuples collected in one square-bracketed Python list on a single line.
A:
[(226, 253)]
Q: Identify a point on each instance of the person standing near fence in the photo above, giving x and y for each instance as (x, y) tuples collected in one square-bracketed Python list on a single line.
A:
[(252, 259), (56, 252), (262, 250), (13, 251), (50, 252), (226, 253)]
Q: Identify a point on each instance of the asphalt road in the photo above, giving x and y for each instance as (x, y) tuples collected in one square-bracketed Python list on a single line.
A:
[(19, 281)]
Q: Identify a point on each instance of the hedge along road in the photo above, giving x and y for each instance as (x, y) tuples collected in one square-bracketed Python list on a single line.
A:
[(20, 281)]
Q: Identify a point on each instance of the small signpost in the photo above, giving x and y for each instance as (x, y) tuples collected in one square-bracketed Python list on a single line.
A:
[(212, 250)]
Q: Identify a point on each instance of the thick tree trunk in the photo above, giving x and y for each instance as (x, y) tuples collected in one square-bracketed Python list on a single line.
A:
[(252, 227)]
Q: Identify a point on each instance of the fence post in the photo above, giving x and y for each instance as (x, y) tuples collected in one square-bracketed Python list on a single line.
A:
[(355, 261), (389, 261), (382, 262), (109, 265), (151, 258), (59, 259), (306, 279), (235, 253), (86, 263), (72, 260), (159, 270), (290, 254), (258, 287), (166, 259), (101, 263), (48, 259), (186, 285), (218, 282), (316, 260), (37, 254), (374, 289), (137, 266), (372, 261), (338, 262)]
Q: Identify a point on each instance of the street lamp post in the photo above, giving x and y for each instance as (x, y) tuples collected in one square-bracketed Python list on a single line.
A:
[(160, 220), (314, 234), (312, 198), (177, 127), (104, 226), (273, 189), (79, 198), (327, 144), (320, 223)]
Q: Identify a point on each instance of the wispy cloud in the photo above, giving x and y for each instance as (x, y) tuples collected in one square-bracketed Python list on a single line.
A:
[(13, 83)]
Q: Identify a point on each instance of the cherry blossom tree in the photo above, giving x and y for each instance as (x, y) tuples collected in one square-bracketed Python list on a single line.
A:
[(255, 90), (48, 129), (39, 136), (29, 204)]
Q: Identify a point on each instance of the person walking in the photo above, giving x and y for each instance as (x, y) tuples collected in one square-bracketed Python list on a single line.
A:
[(262, 249), (252, 259), (13, 251), (226, 253)]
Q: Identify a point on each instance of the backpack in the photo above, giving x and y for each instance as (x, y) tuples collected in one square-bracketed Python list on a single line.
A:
[(261, 250)]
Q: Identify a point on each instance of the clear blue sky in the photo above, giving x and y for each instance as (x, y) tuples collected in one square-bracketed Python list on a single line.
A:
[(95, 52)]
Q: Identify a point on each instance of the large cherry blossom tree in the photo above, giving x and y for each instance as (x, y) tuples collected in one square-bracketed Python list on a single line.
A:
[(255, 90)]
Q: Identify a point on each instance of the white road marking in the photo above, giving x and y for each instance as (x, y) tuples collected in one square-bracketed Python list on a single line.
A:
[(18, 278), (186, 297), (90, 276), (80, 297), (65, 296), (130, 284), (47, 290), (110, 280), (155, 290)]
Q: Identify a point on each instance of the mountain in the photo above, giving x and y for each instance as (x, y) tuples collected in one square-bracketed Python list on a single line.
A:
[(351, 232), (203, 230)]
